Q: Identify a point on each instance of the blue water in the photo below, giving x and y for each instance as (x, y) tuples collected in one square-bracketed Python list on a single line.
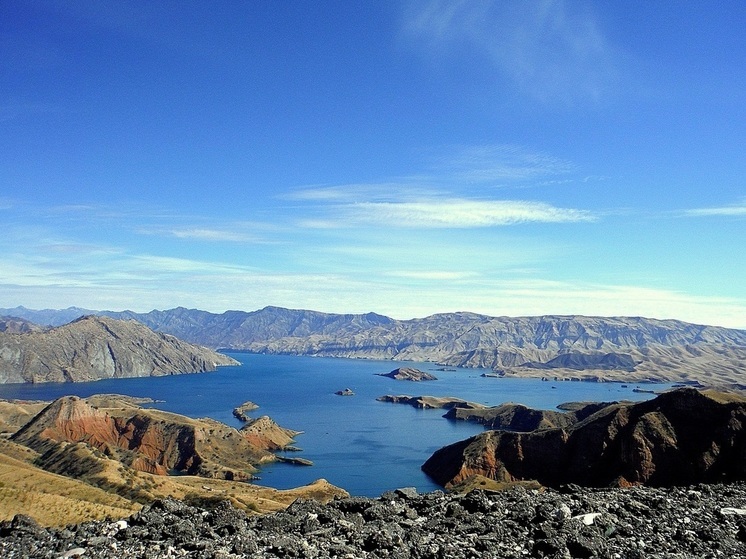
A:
[(355, 442)]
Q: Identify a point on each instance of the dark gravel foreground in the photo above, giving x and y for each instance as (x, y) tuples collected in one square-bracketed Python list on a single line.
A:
[(702, 521)]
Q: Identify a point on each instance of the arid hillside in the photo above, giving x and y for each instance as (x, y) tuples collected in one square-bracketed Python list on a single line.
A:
[(93, 348), (105, 456), (681, 437), (626, 349)]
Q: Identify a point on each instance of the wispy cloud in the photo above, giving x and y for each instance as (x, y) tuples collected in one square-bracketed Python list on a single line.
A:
[(552, 49), (439, 196), (431, 275), (452, 213), (500, 162), (217, 235), (735, 210)]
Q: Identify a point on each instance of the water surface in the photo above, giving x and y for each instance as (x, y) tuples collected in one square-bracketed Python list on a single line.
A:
[(355, 442)]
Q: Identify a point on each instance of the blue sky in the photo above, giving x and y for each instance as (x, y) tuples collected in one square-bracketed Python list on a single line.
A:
[(407, 158)]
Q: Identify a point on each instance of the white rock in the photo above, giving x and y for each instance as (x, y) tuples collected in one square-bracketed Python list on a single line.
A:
[(562, 512), (732, 510), (587, 518), (74, 552)]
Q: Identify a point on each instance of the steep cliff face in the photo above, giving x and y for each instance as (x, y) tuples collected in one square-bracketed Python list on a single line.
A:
[(93, 348), (154, 441), (265, 433), (679, 438)]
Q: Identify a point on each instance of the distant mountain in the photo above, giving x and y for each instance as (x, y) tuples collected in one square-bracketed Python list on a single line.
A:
[(47, 317), (92, 348), (16, 325), (565, 347)]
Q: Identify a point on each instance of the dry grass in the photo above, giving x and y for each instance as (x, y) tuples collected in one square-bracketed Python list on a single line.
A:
[(72, 482), (14, 414), (111, 490), (54, 500)]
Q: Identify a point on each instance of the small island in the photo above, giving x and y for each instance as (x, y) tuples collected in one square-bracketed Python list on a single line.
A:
[(430, 402), (345, 392), (408, 373), (240, 412)]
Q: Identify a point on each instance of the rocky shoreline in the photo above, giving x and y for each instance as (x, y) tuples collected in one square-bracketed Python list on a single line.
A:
[(704, 521)]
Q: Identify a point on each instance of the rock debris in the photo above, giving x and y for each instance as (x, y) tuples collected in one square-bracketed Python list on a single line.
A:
[(704, 521)]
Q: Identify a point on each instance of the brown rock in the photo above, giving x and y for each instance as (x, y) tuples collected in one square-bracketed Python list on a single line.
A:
[(154, 441), (679, 438)]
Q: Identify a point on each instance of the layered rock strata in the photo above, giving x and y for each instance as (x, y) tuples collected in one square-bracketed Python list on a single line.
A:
[(151, 440), (622, 349)]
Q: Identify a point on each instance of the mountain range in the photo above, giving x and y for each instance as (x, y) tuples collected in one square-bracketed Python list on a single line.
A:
[(630, 349)]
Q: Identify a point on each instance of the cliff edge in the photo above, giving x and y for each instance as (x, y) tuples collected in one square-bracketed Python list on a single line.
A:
[(681, 437)]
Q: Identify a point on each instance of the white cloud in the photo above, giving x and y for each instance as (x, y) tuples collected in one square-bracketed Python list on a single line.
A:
[(213, 235), (501, 162), (734, 210), (431, 275), (459, 213), (552, 49)]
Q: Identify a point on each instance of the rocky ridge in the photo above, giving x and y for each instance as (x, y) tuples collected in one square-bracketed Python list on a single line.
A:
[(517, 417), (705, 521), (430, 402), (566, 347), (680, 437), (150, 440), (93, 348)]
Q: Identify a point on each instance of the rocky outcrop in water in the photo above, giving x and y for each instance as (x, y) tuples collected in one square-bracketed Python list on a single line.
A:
[(680, 437), (517, 417), (265, 433), (408, 373), (93, 348), (702, 521), (242, 412), (430, 402)]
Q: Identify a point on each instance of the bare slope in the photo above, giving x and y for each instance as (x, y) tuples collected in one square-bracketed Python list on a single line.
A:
[(103, 456), (630, 349), (93, 348), (151, 440), (681, 437)]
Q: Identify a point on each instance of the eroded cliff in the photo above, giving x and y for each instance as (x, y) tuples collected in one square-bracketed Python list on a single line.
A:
[(154, 441), (680, 437)]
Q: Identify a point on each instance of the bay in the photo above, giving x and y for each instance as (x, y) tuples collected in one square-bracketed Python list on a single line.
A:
[(355, 442)]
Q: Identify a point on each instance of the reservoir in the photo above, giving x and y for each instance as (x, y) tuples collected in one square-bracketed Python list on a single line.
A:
[(355, 442)]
